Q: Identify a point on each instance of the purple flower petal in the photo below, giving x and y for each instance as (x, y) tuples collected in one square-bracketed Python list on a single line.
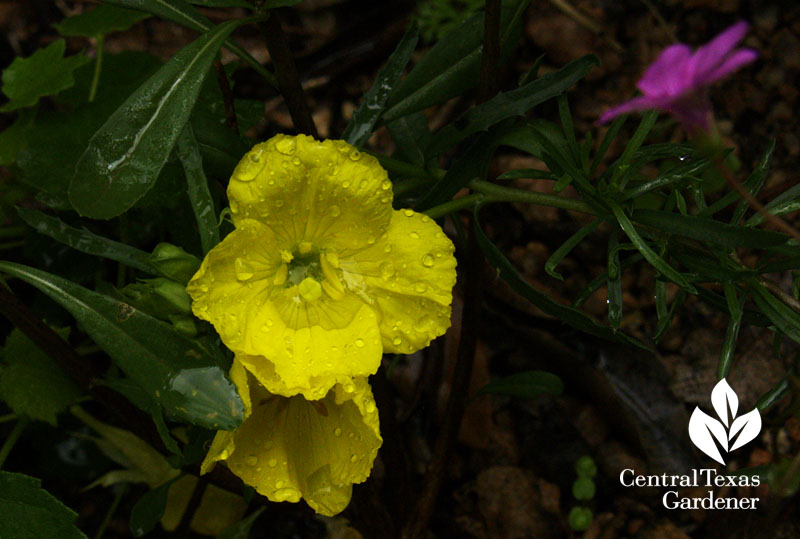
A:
[(708, 57), (638, 103), (665, 75), (736, 60)]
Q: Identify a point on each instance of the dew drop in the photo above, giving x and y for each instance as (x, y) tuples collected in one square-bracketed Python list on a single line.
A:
[(360, 342), (425, 219), (353, 458), (387, 249), (409, 213), (355, 155), (251, 460), (346, 184), (272, 463), (387, 270), (370, 407), (279, 484), (420, 288), (335, 211), (386, 184), (427, 261), (337, 431), (397, 341), (413, 236), (279, 203), (242, 269), (349, 387), (286, 146)]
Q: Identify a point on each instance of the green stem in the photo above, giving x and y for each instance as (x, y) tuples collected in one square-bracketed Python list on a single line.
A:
[(451, 206), (98, 65), (16, 432), (8, 417), (497, 193), (120, 492)]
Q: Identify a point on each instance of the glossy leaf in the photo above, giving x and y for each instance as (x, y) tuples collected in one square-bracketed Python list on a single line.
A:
[(411, 136), (513, 103), (359, 128), (451, 67), (525, 385), (28, 511), (784, 318), (182, 376), (197, 187), (567, 247), (614, 283), (183, 13), (708, 230), (100, 20), (31, 383), (241, 530), (45, 72), (125, 156), (568, 315), (87, 242), (234, 3)]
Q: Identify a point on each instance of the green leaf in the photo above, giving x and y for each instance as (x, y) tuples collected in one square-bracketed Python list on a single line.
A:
[(508, 104), (622, 167), (15, 137), (524, 385), (29, 512), (126, 155), (183, 376), (44, 73), (197, 187), (241, 529), (31, 383), (614, 283), (359, 128), (183, 13), (149, 509), (656, 261), (100, 21), (755, 178), (87, 242), (708, 230), (451, 67), (568, 315), (411, 136), (735, 305), (567, 247), (784, 318), (237, 3)]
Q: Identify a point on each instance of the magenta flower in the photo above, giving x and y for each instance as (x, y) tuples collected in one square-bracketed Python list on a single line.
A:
[(676, 82)]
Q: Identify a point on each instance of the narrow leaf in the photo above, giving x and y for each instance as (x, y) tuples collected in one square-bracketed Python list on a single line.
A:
[(567, 247), (188, 382), (149, 509), (197, 187), (568, 315), (514, 103), (99, 21), (656, 261), (359, 128), (126, 154), (87, 242), (784, 318)]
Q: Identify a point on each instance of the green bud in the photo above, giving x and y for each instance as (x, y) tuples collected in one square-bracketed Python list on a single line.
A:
[(183, 324), (583, 488), (158, 297), (586, 467), (580, 518), (174, 262), (173, 293)]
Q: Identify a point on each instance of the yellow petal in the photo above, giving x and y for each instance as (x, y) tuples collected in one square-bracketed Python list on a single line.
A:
[(291, 448), (334, 340), (235, 280), (325, 193), (409, 274)]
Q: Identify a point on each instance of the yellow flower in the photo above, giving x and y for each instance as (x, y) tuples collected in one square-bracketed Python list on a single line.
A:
[(290, 448), (321, 275)]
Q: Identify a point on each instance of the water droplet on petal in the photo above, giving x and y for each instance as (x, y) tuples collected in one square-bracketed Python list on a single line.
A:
[(335, 211), (387, 249), (286, 146), (360, 342), (337, 431), (279, 203), (355, 155), (272, 463), (251, 460), (370, 407), (346, 184), (413, 235), (409, 213), (397, 341), (420, 288), (386, 184), (353, 458), (427, 261), (387, 270), (279, 484), (242, 269)]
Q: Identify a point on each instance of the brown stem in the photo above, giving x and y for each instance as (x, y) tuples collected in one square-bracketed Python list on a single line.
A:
[(755, 204), (227, 96), (490, 58), (286, 73)]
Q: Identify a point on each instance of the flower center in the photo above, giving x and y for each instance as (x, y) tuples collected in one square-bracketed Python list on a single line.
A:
[(308, 272)]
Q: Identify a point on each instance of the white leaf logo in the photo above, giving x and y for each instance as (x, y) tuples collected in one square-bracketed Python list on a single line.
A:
[(706, 432)]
